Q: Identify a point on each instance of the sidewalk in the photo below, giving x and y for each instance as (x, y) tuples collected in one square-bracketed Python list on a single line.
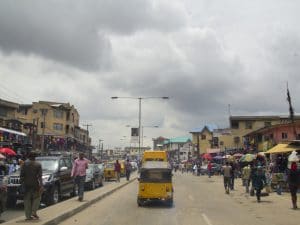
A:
[(63, 210)]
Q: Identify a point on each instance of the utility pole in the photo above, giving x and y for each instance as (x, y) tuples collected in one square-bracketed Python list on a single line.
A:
[(44, 113), (88, 135)]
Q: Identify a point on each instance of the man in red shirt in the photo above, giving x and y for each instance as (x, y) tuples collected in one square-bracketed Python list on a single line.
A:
[(117, 170), (79, 172), (209, 168)]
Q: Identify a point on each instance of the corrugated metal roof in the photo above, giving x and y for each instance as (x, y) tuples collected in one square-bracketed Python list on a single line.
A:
[(178, 140)]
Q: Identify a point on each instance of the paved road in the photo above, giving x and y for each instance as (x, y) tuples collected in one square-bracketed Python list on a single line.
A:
[(198, 200)]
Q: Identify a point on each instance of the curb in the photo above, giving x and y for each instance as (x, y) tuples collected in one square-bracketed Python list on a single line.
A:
[(67, 215), (58, 218)]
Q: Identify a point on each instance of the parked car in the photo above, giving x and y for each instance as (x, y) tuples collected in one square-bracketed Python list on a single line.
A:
[(57, 181), (93, 177), (101, 168)]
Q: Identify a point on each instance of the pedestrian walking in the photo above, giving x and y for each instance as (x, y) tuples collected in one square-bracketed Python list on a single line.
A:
[(259, 181), (79, 173), (294, 182), (232, 175), (32, 184), (209, 169), (128, 169), (246, 172), (3, 195), (195, 170), (227, 176), (117, 170)]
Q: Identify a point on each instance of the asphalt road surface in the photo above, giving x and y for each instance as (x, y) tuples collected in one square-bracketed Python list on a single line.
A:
[(198, 200)]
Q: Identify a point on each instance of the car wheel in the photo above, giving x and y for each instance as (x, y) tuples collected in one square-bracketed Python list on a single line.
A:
[(54, 196), (101, 182), (92, 185), (140, 202)]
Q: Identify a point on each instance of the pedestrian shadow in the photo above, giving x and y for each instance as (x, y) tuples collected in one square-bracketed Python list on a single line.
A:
[(262, 201)]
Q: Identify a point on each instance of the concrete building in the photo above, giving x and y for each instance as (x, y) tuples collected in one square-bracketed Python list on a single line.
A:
[(56, 124), (202, 138), (267, 137), (242, 125), (158, 143), (11, 129), (179, 148)]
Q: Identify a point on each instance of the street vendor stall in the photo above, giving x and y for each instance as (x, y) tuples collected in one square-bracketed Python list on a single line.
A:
[(279, 157)]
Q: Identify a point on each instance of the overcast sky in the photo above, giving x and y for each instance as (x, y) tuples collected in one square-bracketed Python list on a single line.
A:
[(203, 54)]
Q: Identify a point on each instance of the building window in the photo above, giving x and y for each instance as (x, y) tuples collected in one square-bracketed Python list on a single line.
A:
[(284, 135), (3, 112), (221, 143), (58, 113), (215, 142), (234, 124), (57, 126), (236, 140), (203, 137), (268, 124), (42, 125), (248, 124)]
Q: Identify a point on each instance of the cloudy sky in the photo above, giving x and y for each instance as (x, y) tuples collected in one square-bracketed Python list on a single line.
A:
[(203, 54)]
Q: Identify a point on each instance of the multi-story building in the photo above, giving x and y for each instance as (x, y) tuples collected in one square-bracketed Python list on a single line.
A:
[(179, 148), (243, 125), (11, 134), (8, 111), (158, 143), (56, 125), (202, 138), (267, 137)]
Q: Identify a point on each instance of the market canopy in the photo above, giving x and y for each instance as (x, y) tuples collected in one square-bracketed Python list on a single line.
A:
[(283, 148)]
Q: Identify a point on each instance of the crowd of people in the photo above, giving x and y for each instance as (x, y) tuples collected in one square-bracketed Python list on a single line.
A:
[(261, 173)]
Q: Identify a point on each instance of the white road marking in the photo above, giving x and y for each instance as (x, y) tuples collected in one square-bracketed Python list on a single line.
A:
[(206, 219)]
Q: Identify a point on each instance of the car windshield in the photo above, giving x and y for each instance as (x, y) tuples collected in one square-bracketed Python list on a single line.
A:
[(49, 164)]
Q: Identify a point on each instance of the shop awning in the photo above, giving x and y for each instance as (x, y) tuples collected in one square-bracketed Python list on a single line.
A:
[(282, 148), (12, 131)]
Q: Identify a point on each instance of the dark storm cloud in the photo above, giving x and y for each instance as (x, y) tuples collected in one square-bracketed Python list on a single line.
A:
[(74, 32), (202, 79)]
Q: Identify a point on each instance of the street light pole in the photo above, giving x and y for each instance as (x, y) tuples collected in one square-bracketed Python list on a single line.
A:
[(140, 118), (140, 113)]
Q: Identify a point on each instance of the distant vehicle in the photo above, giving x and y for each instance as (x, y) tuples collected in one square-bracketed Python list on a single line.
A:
[(57, 181), (93, 177), (109, 171), (134, 165), (101, 168)]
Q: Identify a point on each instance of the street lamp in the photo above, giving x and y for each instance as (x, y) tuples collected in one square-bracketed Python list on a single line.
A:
[(140, 112)]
